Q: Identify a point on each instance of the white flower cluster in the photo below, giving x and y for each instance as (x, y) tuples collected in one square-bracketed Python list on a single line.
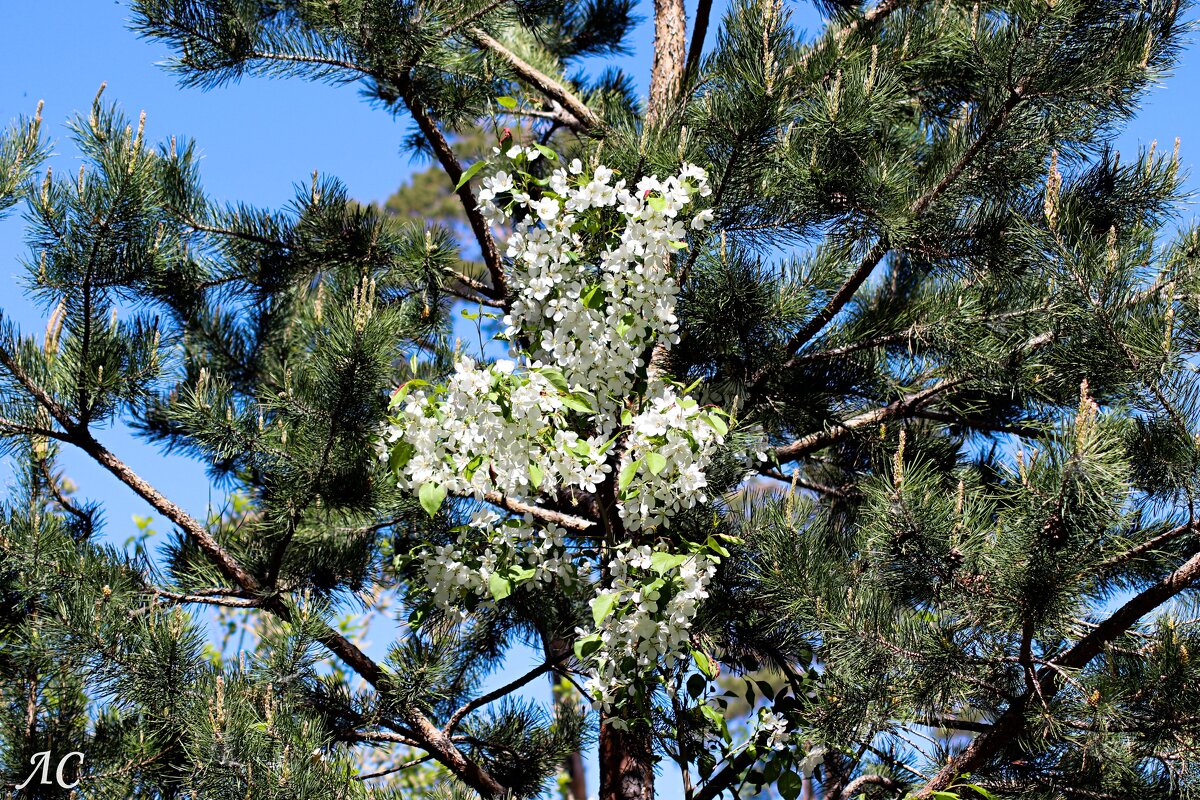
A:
[(775, 726), (654, 596), (591, 296), (505, 548), (671, 443), (491, 428), (595, 319)]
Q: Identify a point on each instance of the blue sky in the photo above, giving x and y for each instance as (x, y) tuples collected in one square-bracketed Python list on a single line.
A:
[(259, 138)]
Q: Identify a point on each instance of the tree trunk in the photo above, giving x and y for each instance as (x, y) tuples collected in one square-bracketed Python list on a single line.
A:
[(626, 763), (670, 56)]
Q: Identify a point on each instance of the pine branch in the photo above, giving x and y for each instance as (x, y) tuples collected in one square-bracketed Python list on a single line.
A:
[(899, 408), (873, 256), (42, 397), (61, 498), (1010, 724), (8, 426), (584, 118), (432, 739), (1147, 546)]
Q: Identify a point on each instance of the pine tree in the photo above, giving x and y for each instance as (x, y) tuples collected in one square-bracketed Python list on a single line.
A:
[(838, 435)]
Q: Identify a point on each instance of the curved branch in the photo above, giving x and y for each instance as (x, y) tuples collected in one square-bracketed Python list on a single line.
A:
[(555, 91), (1011, 723), (445, 156), (858, 784), (496, 694), (431, 738)]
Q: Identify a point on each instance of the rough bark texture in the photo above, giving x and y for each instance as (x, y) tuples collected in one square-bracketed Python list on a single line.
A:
[(626, 770), (670, 56)]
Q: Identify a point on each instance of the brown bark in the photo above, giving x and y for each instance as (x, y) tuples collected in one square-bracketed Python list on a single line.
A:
[(670, 56), (573, 764), (626, 769)]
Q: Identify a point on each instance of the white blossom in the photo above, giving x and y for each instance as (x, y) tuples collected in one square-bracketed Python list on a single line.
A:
[(586, 309)]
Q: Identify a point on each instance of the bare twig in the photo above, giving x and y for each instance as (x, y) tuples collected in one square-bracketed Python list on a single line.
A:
[(398, 768), (496, 694)]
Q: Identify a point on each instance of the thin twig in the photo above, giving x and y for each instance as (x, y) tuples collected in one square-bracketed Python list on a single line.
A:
[(496, 694)]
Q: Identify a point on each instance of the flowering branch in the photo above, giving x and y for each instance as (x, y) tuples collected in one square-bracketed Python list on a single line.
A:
[(539, 512)]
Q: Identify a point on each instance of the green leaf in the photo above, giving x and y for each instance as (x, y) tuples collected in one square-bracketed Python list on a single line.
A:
[(704, 664), (982, 792), (717, 424), (519, 575), (535, 475), (715, 546), (696, 684), (470, 172), (663, 562), (546, 151), (593, 298), (401, 393), (625, 323), (602, 606), (790, 785), (507, 102), (402, 451), (627, 473), (431, 495), (655, 462), (500, 586), (578, 402), (556, 378), (657, 202), (717, 719), (586, 646), (472, 467)]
